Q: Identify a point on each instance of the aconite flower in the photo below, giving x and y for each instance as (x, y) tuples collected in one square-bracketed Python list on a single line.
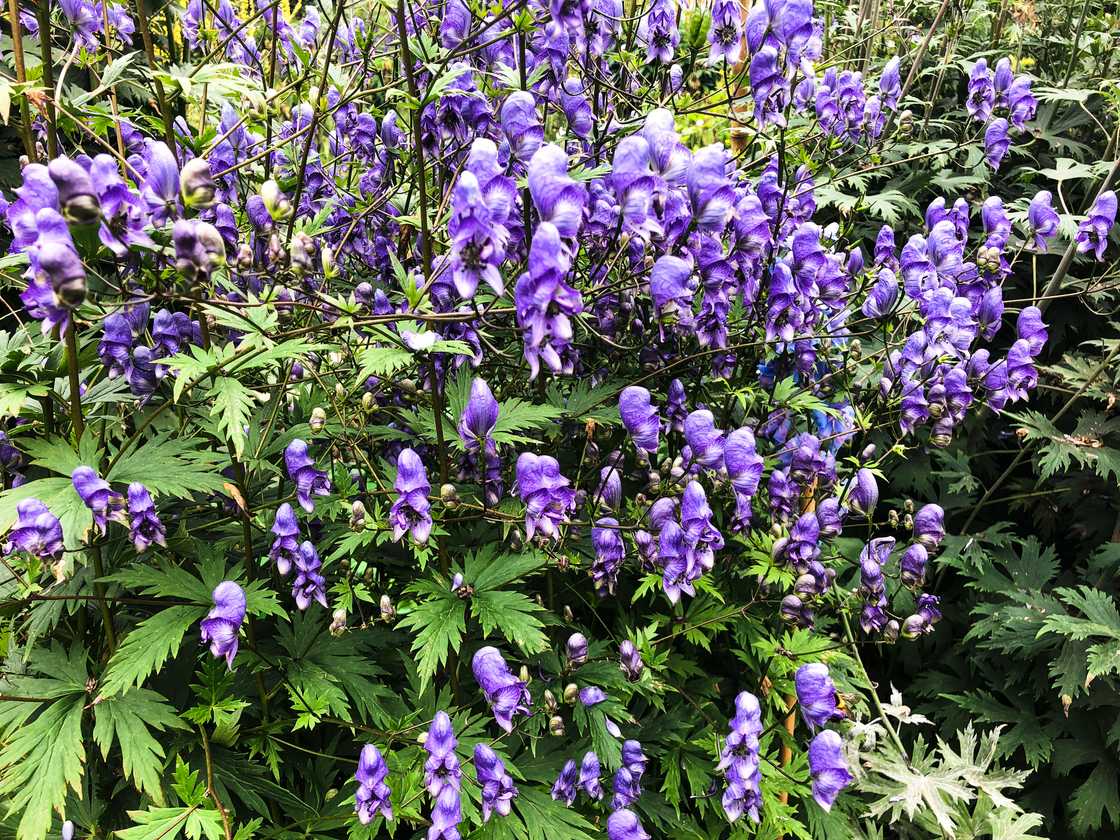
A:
[(222, 623)]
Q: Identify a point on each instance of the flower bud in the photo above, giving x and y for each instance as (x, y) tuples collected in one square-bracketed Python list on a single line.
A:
[(790, 610), (196, 184), (550, 702), (556, 725), (339, 391), (327, 263), (908, 522), (890, 632), (244, 259), (318, 419), (914, 626), (568, 615), (68, 830), (449, 495), (387, 608), (892, 518), (868, 453), (908, 505), (76, 194), (357, 515), (367, 401), (855, 349), (457, 581), (577, 649), (277, 204), (338, 622), (524, 674), (571, 693)]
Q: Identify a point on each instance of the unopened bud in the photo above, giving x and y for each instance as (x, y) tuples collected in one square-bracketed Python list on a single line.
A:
[(244, 259), (357, 515), (277, 204), (526, 677), (387, 608), (338, 622), (568, 615), (908, 505), (556, 725), (196, 184), (449, 495), (367, 401), (571, 693), (908, 522), (892, 518), (550, 702), (318, 419)]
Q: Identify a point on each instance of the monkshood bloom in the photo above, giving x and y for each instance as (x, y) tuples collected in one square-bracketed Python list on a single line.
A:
[(769, 86), (609, 553), (827, 767), (725, 35), (478, 241), (591, 695), (498, 791), (1030, 328), (589, 770), (872, 584), (744, 470), (658, 31), (372, 795), (913, 565), (1043, 219), (1021, 103), (505, 693), (559, 199), (1092, 234), (222, 623), (928, 614), (37, 531), (77, 197), (144, 527), (521, 125), (286, 545), (890, 85), (630, 660), (545, 303), (864, 492), (476, 429), (576, 648), (702, 538), (627, 782), (709, 190), (639, 417), (411, 511), (96, 495), (54, 261), (673, 288), (547, 495), (929, 526), (160, 189), (981, 92), (308, 584), (816, 695), (443, 778), (996, 142), (609, 492), (705, 441), (564, 789), (624, 824), (739, 760), (301, 470), (883, 296)]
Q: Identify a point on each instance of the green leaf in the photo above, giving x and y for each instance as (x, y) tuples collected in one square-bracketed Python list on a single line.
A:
[(517, 415), (485, 569), (169, 823), (381, 361), (439, 624), (40, 762), (1096, 796), (147, 647), (233, 405), (513, 614), (175, 466), (128, 719)]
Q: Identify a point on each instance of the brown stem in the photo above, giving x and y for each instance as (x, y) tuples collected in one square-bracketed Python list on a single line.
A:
[(44, 12), (21, 77), (213, 794)]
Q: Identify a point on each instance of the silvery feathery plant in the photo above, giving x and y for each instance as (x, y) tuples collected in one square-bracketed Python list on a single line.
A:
[(411, 430)]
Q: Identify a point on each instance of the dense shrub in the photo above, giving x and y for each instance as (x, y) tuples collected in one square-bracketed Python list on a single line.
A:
[(529, 420)]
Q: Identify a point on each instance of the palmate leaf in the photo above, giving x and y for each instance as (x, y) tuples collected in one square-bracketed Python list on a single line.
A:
[(128, 719), (440, 623), (1098, 795), (175, 466), (488, 569), (40, 761), (233, 405), (148, 646), (513, 614), (517, 415), (382, 361), (169, 823)]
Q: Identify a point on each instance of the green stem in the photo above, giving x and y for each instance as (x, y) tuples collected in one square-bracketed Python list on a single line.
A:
[(44, 13), (875, 702)]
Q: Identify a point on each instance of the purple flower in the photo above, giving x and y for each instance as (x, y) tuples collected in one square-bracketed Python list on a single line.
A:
[(1030, 328), (639, 417), (559, 199), (913, 565), (816, 695), (981, 93), (476, 429), (222, 623), (372, 794), (929, 526), (545, 302), (521, 125), (577, 649), (769, 86), (739, 760), (709, 190), (478, 241), (308, 584), (54, 259), (498, 791), (589, 771), (1092, 234), (76, 195), (443, 778), (505, 693), (890, 86), (1021, 103), (301, 470), (160, 189), (577, 110), (624, 825), (609, 553), (725, 35), (592, 695), (827, 768), (705, 441), (658, 31), (144, 527), (864, 492), (627, 781), (455, 24), (96, 494), (672, 288), (630, 660), (1043, 219), (37, 531), (286, 545), (883, 296), (996, 142), (547, 495), (744, 470), (411, 511), (565, 786)]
